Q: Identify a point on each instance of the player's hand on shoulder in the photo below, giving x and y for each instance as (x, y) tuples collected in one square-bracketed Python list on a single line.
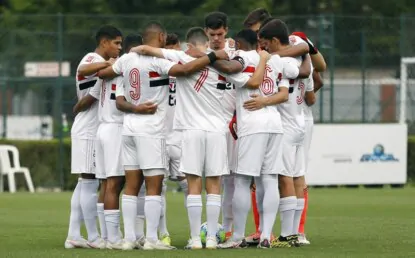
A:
[(111, 61), (221, 55), (148, 108), (264, 55), (255, 103)]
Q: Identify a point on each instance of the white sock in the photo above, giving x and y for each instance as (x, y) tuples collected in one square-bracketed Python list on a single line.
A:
[(259, 193), (297, 216), (112, 221), (89, 199), (101, 219), (163, 219), (213, 204), (228, 183), (129, 213), (75, 218), (194, 212), (287, 212), (152, 210), (140, 219), (270, 203), (240, 205), (185, 187)]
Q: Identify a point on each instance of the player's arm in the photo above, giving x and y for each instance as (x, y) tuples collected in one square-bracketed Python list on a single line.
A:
[(107, 73), (197, 64), (148, 51), (257, 102), (256, 79), (229, 67), (294, 51), (318, 81), (309, 96), (144, 108), (93, 68), (87, 101), (305, 67), (318, 62)]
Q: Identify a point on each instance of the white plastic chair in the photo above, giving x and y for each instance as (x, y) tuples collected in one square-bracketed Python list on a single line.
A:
[(6, 168)]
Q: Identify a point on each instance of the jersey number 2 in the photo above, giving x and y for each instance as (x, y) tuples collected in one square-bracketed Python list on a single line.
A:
[(134, 77)]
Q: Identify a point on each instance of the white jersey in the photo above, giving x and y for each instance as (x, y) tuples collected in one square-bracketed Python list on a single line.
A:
[(145, 79), (267, 119), (309, 86), (292, 111), (229, 96), (199, 97), (171, 108), (105, 93), (86, 122)]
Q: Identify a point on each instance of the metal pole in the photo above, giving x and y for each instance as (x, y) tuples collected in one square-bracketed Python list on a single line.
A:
[(320, 36), (332, 65), (59, 99), (404, 77), (363, 68)]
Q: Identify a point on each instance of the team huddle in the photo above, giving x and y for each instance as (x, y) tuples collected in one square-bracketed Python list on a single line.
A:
[(234, 113)]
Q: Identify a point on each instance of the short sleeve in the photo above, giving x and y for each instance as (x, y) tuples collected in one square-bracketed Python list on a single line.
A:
[(162, 66), (96, 89), (240, 56), (119, 91), (118, 65), (290, 67), (284, 82), (309, 83), (238, 79), (295, 40)]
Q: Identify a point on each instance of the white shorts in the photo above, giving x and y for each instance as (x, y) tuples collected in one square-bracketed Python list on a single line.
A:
[(259, 154), (144, 153), (232, 151), (204, 153), (307, 142), (174, 153), (82, 156), (293, 161), (108, 151)]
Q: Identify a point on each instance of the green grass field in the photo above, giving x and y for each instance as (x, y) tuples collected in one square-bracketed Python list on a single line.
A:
[(341, 223)]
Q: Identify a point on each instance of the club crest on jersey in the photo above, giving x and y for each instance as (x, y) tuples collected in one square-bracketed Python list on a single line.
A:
[(231, 43), (172, 85), (90, 59), (292, 39)]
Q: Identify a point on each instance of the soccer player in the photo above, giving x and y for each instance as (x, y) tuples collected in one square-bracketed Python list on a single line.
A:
[(199, 115), (83, 133), (260, 135), (173, 42), (216, 28), (146, 79), (274, 36)]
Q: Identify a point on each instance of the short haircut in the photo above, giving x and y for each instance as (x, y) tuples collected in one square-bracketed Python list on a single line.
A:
[(196, 35), (107, 32), (257, 15), (216, 20), (132, 40), (172, 39), (151, 28), (247, 35), (264, 22), (275, 29)]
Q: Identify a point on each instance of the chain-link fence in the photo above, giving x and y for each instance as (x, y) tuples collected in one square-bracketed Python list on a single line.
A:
[(362, 53)]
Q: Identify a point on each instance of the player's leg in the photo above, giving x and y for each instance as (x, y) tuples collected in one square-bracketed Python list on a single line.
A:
[(299, 185), (307, 144), (268, 182), (164, 233), (191, 164), (89, 196), (133, 181), (215, 166), (228, 186), (100, 174), (250, 154), (152, 158), (140, 220), (115, 178), (253, 239), (100, 209), (288, 200)]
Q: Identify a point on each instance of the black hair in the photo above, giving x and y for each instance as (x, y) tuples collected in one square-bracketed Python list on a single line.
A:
[(132, 40), (151, 28), (107, 32), (172, 39), (196, 35), (247, 35), (257, 15), (216, 20), (275, 29)]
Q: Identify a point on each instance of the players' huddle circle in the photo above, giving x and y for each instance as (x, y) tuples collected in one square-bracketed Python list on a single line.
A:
[(234, 111)]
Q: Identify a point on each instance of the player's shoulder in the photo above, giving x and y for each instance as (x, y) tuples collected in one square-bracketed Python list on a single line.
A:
[(295, 40), (92, 57)]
